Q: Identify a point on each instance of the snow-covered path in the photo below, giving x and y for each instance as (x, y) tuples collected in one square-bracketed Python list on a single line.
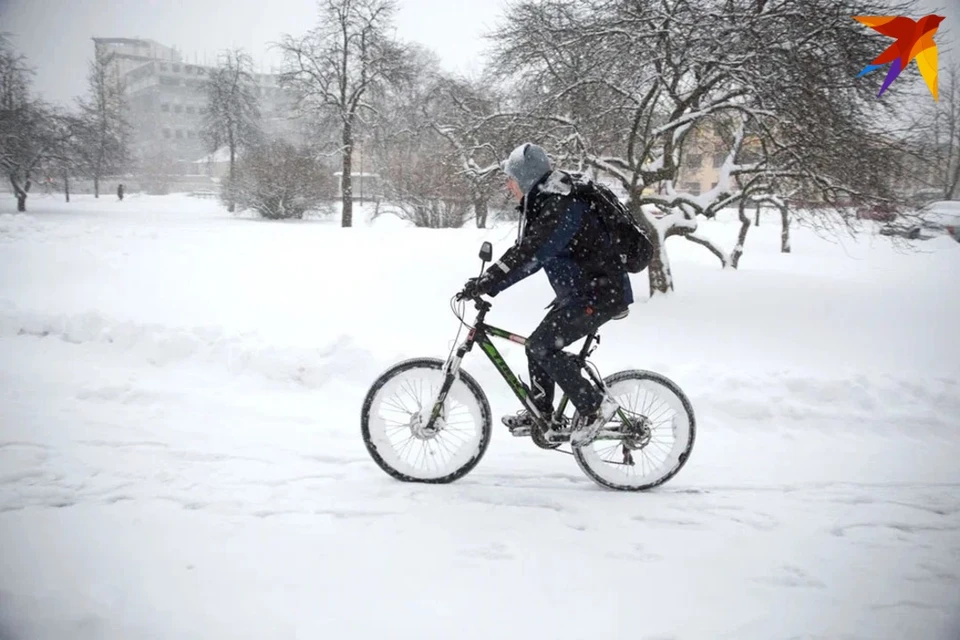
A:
[(163, 481)]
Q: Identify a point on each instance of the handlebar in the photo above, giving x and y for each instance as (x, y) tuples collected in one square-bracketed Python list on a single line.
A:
[(478, 302)]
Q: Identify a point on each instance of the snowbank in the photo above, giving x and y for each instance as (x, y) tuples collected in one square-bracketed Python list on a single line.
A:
[(160, 346)]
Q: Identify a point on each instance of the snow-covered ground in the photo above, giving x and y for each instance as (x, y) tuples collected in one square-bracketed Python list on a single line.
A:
[(180, 450)]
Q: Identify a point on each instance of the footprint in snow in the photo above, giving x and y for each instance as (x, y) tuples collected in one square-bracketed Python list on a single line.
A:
[(637, 554), (754, 519), (493, 551), (670, 522), (933, 573), (789, 576), (13, 446)]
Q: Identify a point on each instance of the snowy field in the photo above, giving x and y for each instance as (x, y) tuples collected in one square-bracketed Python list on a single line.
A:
[(180, 450)]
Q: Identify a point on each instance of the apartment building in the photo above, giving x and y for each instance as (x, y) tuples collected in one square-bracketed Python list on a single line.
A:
[(166, 100)]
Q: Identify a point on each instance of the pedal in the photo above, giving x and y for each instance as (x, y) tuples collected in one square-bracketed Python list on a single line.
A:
[(519, 432)]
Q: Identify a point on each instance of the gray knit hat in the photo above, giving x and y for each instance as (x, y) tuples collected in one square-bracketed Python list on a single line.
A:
[(527, 164)]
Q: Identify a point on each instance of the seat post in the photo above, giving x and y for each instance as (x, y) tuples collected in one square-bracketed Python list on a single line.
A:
[(588, 343)]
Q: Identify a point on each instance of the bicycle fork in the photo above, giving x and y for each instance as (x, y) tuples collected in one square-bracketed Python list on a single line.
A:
[(450, 370), (452, 367)]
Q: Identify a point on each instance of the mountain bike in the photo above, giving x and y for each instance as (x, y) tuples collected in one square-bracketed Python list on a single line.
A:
[(428, 420)]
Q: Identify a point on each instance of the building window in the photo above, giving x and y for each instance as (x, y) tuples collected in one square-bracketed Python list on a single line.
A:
[(165, 107), (695, 160), (190, 109), (176, 68), (163, 67), (166, 133), (179, 134), (693, 188), (190, 135), (201, 110)]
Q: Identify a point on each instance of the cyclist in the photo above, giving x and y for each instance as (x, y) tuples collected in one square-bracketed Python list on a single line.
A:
[(558, 233)]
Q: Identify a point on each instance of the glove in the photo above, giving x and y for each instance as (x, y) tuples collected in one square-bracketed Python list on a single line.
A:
[(474, 288)]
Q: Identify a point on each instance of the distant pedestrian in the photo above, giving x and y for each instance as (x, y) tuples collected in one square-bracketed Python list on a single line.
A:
[(120, 192)]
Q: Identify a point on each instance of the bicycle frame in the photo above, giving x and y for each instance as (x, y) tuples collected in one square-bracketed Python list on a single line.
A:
[(481, 334)]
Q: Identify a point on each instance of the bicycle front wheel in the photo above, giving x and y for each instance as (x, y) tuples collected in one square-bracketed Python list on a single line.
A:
[(654, 443), (397, 409)]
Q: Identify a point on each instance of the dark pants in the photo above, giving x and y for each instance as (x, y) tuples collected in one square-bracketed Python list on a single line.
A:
[(549, 363)]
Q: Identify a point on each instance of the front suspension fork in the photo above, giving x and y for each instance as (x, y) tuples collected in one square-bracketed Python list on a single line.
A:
[(451, 368)]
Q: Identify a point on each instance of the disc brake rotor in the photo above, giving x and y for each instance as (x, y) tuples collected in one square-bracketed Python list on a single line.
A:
[(637, 433), (418, 424)]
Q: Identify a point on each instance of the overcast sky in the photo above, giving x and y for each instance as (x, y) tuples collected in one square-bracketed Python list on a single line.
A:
[(55, 34)]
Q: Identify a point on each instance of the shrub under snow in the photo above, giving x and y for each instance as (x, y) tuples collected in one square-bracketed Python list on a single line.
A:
[(279, 181)]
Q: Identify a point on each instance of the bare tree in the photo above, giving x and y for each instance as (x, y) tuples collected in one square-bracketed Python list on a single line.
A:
[(69, 153), (420, 176), (232, 118), (336, 67), (43, 141), (31, 132), (623, 86), (465, 116), (19, 122), (14, 94), (936, 138), (949, 155), (105, 131)]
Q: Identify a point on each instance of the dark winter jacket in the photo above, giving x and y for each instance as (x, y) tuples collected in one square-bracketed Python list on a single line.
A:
[(559, 234)]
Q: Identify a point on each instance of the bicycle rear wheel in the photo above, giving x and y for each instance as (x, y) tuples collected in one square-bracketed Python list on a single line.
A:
[(654, 444), (394, 417)]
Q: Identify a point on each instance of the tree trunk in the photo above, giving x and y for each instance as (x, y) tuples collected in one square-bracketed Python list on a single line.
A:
[(66, 185), (757, 222), (785, 232), (954, 180), (661, 279), (20, 193), (96, 185), (231, 204), (346, 183), (480, 209), (658, 271), (744, 228)]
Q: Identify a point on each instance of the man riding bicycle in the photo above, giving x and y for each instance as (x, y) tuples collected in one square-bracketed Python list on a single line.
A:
[(559, 233)]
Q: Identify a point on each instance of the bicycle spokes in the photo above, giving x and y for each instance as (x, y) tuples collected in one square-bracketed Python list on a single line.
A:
[(649, 438), (404, 410)]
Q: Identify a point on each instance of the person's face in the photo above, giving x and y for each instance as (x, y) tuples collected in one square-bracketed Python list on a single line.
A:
[(514, 188)]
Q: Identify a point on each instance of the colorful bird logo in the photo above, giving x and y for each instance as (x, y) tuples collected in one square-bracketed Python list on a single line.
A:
[(914, 40)]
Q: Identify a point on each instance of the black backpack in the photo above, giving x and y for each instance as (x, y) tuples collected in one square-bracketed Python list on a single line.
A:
[(632, 244)]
